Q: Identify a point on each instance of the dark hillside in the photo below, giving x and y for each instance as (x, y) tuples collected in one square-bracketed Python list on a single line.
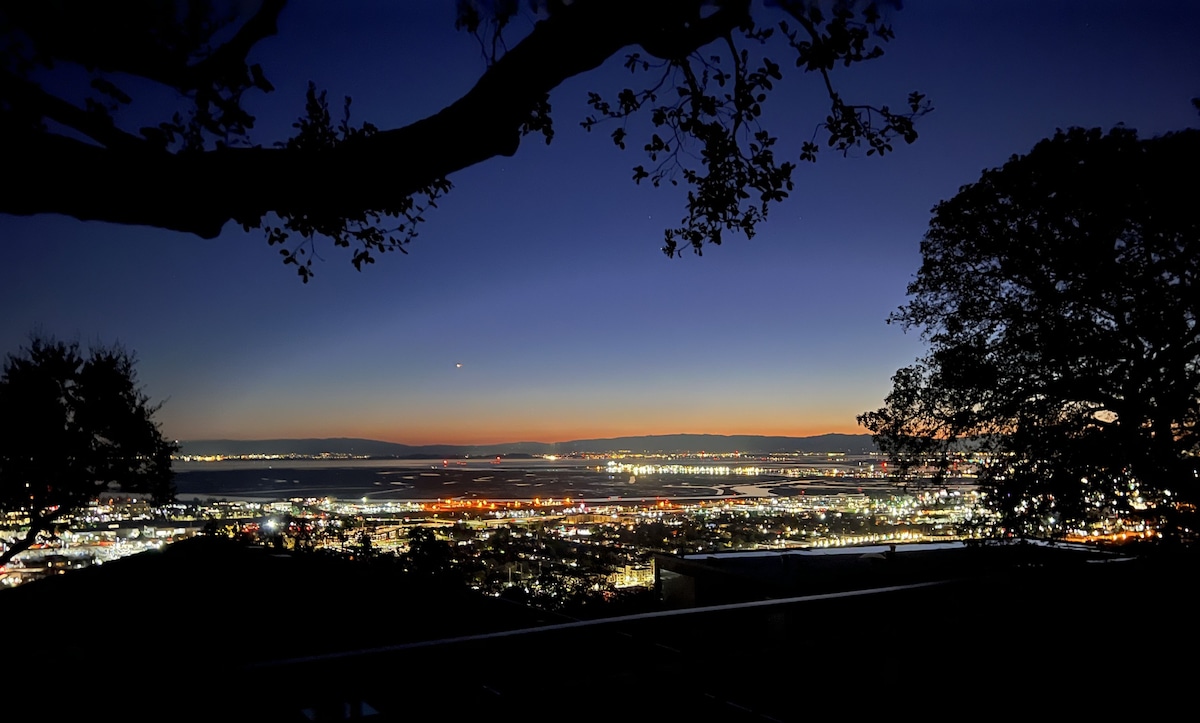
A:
[(210, 631)]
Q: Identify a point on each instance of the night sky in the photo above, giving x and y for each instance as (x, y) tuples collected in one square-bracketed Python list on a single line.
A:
[(542, 275)]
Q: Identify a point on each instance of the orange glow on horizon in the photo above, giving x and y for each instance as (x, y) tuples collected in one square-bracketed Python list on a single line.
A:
[(490, 421), (461, 436)]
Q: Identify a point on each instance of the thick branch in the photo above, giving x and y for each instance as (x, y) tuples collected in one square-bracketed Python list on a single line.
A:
[(678, 36), (200, 192)]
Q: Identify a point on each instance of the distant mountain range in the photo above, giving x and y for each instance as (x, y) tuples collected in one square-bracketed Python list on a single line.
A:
[(666, 443)]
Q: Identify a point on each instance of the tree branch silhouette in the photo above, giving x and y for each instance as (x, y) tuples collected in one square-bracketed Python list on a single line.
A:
[(197, 171)]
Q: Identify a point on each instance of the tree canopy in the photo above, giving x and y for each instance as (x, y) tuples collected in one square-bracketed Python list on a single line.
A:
[(1059, 298), (700, 70), (72, 426)]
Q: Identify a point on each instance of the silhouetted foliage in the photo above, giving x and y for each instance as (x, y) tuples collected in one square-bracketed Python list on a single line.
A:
[(1059, 297), (702, 77), (72, 426), (429, 556)]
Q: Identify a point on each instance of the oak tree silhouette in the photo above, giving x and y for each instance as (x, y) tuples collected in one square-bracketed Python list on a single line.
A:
[(1059, 295), (72, 426)]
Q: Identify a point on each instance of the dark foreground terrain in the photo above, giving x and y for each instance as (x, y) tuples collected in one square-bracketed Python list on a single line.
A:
[(208, 630)]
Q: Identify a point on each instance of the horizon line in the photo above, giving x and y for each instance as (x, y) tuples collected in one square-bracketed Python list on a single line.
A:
[(521, 441)]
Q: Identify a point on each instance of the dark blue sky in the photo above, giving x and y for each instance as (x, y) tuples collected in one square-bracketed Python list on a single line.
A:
[(541, 274)]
